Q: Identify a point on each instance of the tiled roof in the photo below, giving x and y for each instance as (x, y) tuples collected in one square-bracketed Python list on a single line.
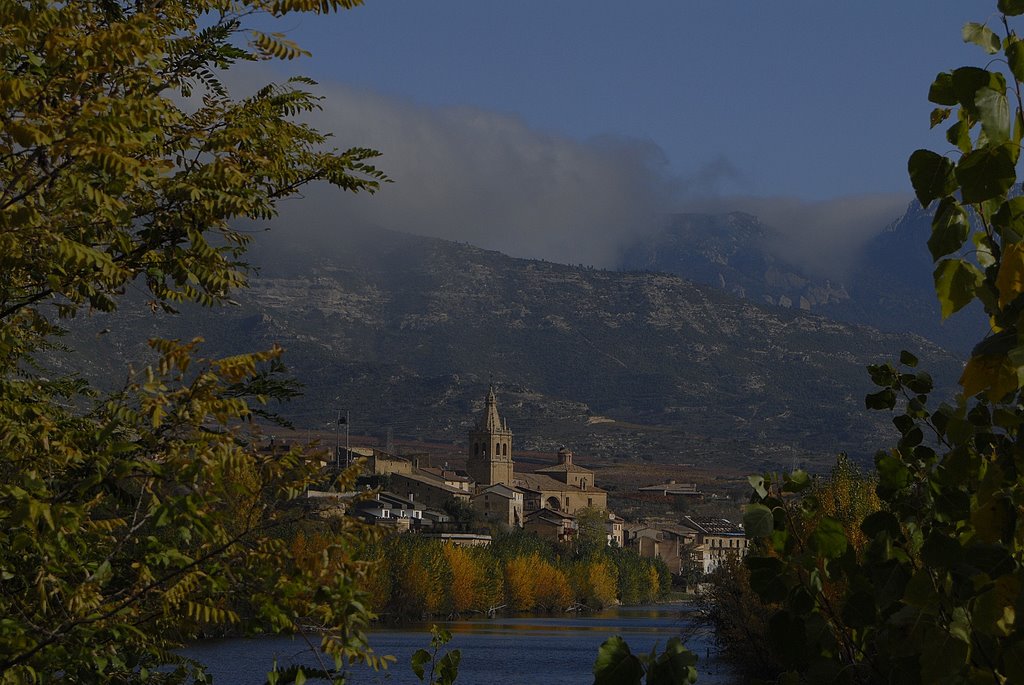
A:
[(707, 525), (538, 482)]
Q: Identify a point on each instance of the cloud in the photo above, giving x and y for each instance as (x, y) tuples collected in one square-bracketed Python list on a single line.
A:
[(824, 237), (489, 179)]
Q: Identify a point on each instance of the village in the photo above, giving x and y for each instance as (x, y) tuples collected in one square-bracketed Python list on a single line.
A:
[(407, 494)]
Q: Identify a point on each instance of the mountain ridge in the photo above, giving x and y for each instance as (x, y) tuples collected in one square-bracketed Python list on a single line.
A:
[(407, 332)]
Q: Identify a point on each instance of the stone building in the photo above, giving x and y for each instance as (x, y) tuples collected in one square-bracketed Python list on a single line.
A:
[(714, 541), (565, 486), (499, 504), (489, 460)]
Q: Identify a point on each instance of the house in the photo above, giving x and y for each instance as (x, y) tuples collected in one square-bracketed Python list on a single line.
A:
[(453, 479), (615, 529), (499, 504), (714, 540), (678, 492), (554, 525), (666, 542), (380, 463), (430, 489)]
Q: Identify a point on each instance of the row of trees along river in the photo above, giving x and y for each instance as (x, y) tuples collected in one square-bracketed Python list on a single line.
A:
[(411, 577)]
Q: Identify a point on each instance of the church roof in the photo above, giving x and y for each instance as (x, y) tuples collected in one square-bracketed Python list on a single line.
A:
[(567, 467), (538, 482)]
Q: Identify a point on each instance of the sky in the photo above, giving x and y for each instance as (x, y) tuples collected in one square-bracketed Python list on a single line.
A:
[(562, 129)]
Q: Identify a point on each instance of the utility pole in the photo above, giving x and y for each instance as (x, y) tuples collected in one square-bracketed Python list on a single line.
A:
[(348, 451), (337, 440)]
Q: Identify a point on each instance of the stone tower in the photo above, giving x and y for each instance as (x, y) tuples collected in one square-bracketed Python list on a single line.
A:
[(490, 447)]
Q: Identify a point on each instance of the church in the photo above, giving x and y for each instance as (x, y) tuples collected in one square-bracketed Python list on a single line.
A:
[(564, 487)]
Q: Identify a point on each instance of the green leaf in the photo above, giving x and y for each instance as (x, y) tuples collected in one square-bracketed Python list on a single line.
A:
[(881, 400), (797, 481), (959, 134), (994, 113), (768, 577), (674, 666), (932, 176), (1011, 8), (1015, 56), (829, 538), (941, 551), (615, 665), (757, 483), (941, 91), (955, 284), (950, 228), (1009, 220), (758, 521), (906, 358), (420, 659), (893, 474), (939, 114), (985, 173), (881, 522), (979, 34), (967, 81), (448, 667)]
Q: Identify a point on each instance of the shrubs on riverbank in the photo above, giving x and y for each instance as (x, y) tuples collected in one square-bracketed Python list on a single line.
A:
[(415, 577)]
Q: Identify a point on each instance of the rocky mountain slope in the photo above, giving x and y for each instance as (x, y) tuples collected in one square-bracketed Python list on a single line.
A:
[(406, 333), (889, 285)]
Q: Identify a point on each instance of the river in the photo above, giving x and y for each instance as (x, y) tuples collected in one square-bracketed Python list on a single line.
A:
[(526, 650)]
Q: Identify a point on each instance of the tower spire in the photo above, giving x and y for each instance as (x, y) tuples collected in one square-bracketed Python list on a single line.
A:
[(490, 421)]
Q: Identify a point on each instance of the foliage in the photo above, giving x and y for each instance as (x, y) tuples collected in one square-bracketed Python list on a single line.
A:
[(616, 665), (133, 521), (592, 534), (739, 621), (446, 668), (518, 572), (927, 588)]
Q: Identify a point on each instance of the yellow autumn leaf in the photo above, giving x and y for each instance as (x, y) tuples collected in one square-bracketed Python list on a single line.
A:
[(1010, 280), (992, 374)]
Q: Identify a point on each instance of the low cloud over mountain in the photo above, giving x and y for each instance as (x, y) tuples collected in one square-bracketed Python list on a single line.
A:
[(489, 179)]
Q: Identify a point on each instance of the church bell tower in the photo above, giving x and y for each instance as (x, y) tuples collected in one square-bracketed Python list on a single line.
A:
[(490, 447)]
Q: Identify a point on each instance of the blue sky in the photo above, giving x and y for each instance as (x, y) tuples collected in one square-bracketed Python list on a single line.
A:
[(813, 99), (584, 110)]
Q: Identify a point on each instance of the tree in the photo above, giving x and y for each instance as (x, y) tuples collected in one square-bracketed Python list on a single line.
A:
[(132, 521), (933, 593)]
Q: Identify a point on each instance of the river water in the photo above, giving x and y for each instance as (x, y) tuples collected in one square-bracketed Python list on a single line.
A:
[(528, 650)]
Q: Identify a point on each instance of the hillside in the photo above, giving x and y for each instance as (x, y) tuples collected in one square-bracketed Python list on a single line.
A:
[(887, 285), (406, 333)]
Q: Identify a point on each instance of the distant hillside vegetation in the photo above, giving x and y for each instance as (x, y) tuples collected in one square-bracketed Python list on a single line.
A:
[(406, 333)]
